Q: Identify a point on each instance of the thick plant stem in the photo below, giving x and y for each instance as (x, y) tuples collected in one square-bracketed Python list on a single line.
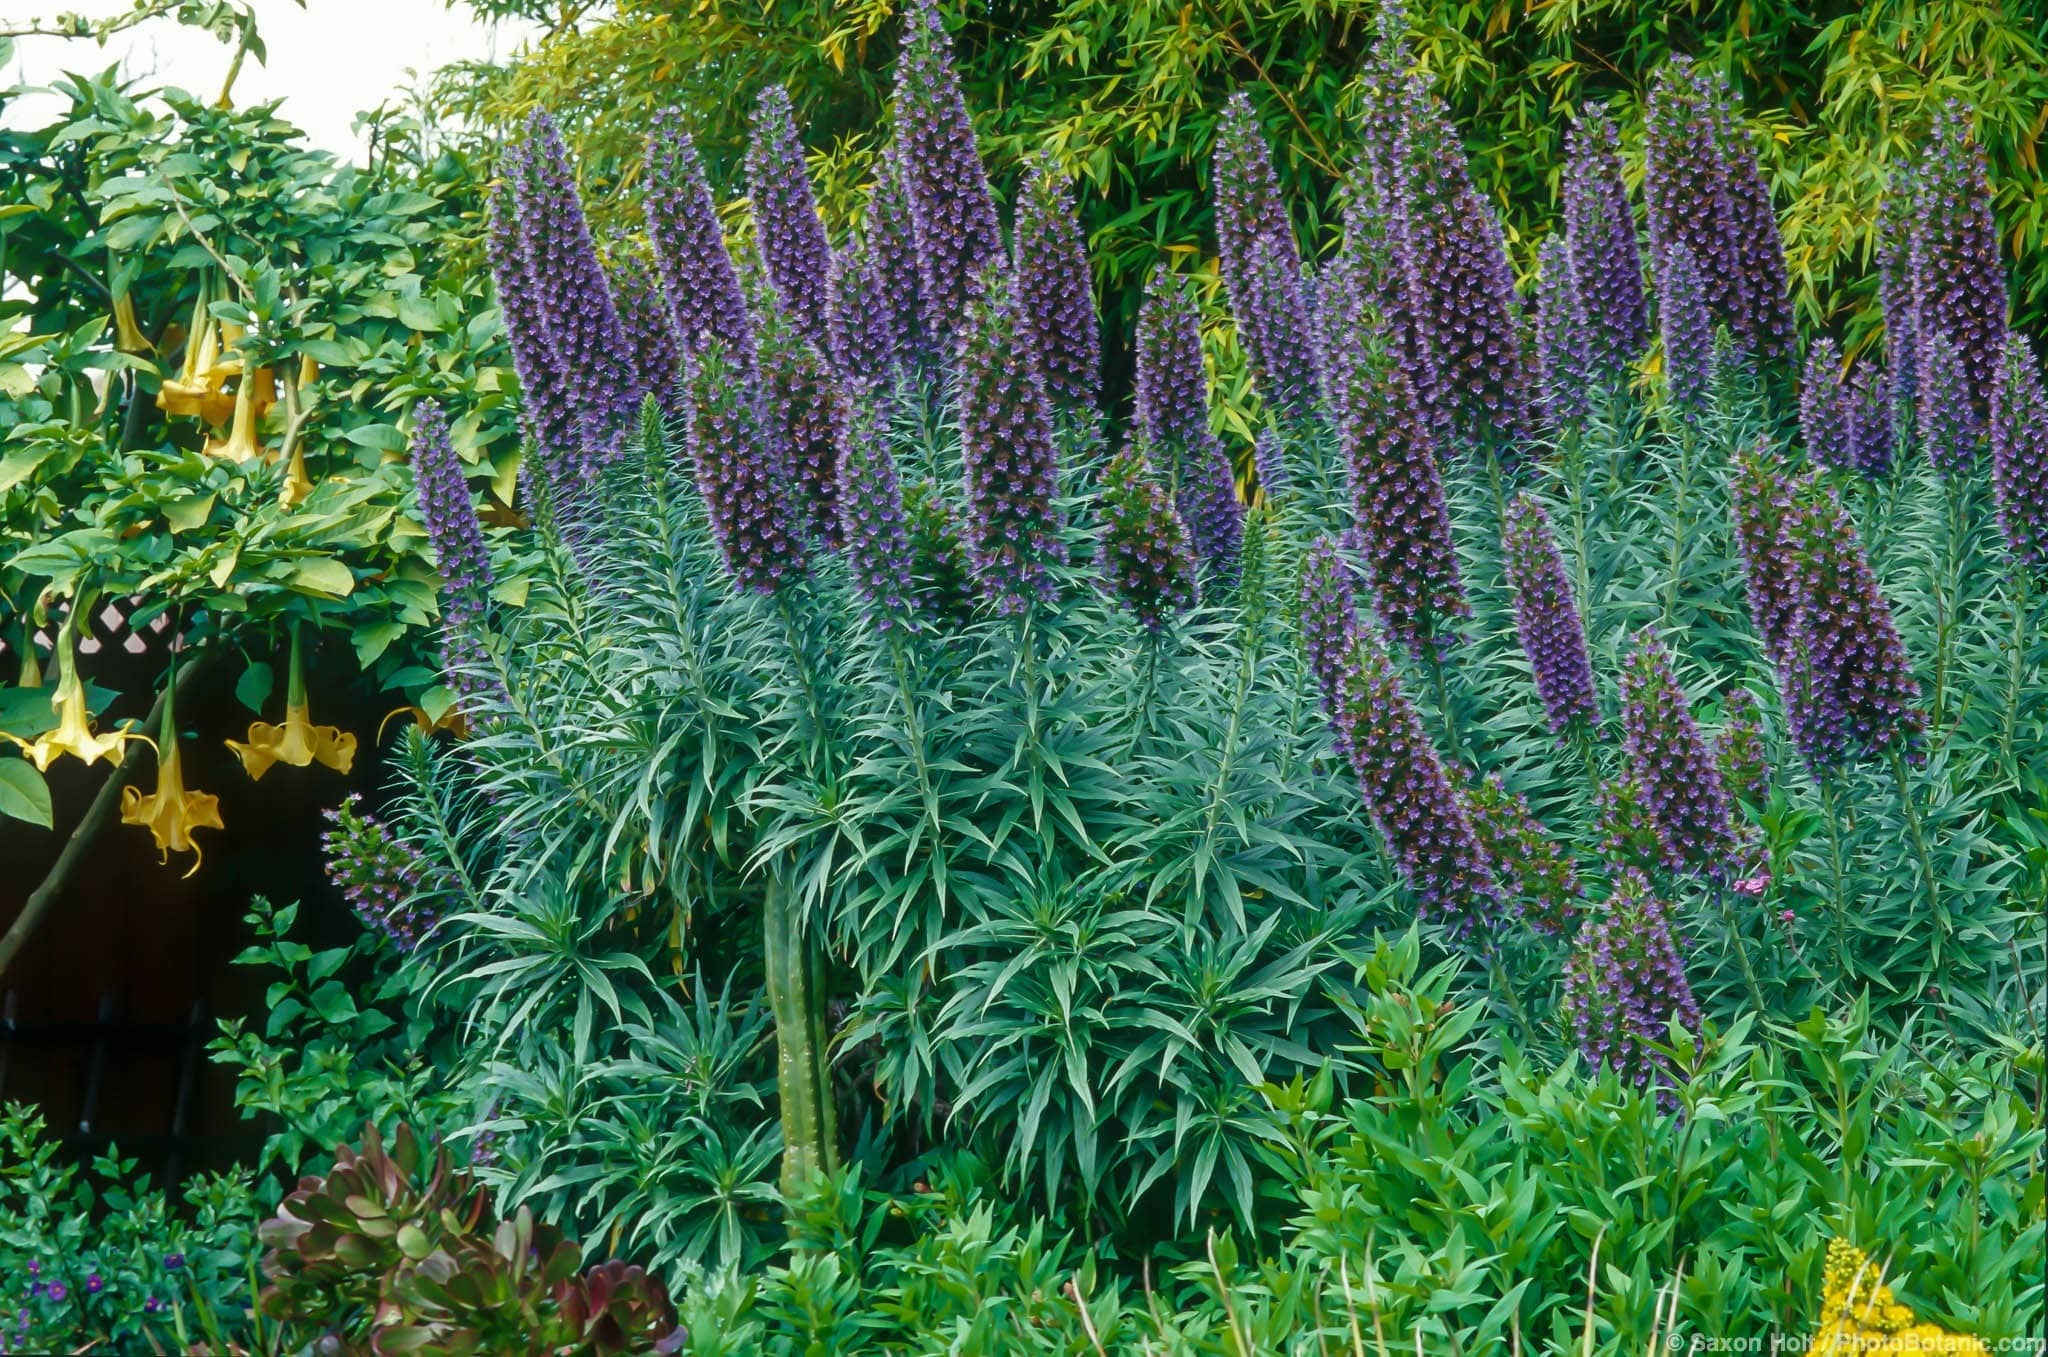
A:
[(810, 1139), (1918, 834), (1452, 733)]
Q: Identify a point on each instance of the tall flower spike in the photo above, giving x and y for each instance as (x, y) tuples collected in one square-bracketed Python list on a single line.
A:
[(786, 221), (1688, 331), (1767, 293), (871, 515), (548, 415), (448, 512), (1006, 442), (1329, 628), (1761, 500), (1418, 812), (1547, 617), (2019, 456), (1671, 763), (1398, 496), (1895, 294), (806, 421), (938, 555), (1564, 336), (1381, 271), (378, 873), (1145, 555), (1739, 749), (689, 246), (1057, 291), (1864, 698), (649, 324), (575, 301), (1628, 831), (1958, 275), (891, 238), (1535, 874), (1173, 418), (1946, 426), (863, 319), (1866, 405), (741, 472), (1600, 234), (1823, 415), (1274, 321), (954, 213), (1269, 459), (1625, 982), (1247, 195)]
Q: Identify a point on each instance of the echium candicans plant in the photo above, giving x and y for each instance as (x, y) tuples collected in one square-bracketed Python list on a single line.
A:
[(1418, 812), (573, 298), (1624, 984), (742, 472), (1397, 494), (1627, 827), (1600, 239), (1895, 297), (547, 414), (1866, 406), (1145, 556), (1248, 201), (649, 324), (1547, 617), (697, 272), (890, 236), (1055, 286), (1010, 457), (1861, 697), (1564, 336), (1276, 325), (1172, 397), (1947, 429), (1761, 500), (461, 557), (786, 221), (2019, 456), (379, 873), (1739, 749), (1687, 328), (1670, 762), (806, 421), (953, 212), (1958, 277), (861, 319), (1329, 628), (1823, 413), (872, 522), (1536, 874)]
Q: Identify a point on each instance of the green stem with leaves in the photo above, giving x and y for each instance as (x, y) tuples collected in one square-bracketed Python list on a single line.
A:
[(810, 1134), (1841, 904), (1917, 834), (2015, 667)]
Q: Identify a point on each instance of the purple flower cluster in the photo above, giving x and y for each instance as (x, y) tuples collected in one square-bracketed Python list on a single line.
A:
[(1687, 328), (1739, 749), (1006, 441), (890, 235), (1625, 982), (697, 272), (1895, 296), (953, 212), (1600, 238), (1058, 293), (2019, 456), (1628, 828), (1564, 335), (379, 874), (1866, 407), (1398, 497), (861, 320), (786, 221), (742, 472), (871, 516), (1707, 195), (1269, 460), (1850, 682), (1173, 418), (1669, 761), (1547, 617), (1538, 877), (807, 418), (1823, 416), (460, 554), (1958, 276), (1145, 555), (1329, 628), (547, 412), (1278, 330), (1762, 499), (649, 325), (1248, 202), (1949, 431)]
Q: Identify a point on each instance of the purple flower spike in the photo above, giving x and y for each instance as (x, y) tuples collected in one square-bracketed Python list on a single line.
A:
[(1006, 439), (1564, 336), (574, 299), (1853, 690), (1547, 617), (1329, 628), (1866, 406), (379, 874), (1947, 430), (1671, 763), (1249, 204), (1058, 293), (1895, 293), (1173, 419), (807, 420), (742, 473), (1535, 874), (957, 230), (1958, 275), (649, 325), (1145, 555), (1274, 321), (1762, 499), (1739, 750), (871, 516), (865, 343), (1269, 459), (460, 554), (1398, 496), (1625, 982), (689, 246), (547, 412), (1688, 332), (2019, 456), (891, 239), (1600, 234), (786, 221), (1823, 413)]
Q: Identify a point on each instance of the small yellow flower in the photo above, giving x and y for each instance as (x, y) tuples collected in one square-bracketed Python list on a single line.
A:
[(298, 741), (1861, 1318), (171, 813), (73, 734)]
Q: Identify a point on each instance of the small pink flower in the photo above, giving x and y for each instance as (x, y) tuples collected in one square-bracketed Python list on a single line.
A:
[(1753, 885), (1785, 917)]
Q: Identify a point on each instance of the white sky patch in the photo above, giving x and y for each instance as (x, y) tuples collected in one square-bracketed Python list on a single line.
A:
[(327, 61)]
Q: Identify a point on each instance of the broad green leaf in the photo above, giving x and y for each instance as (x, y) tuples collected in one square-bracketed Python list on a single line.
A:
[(24, 795)]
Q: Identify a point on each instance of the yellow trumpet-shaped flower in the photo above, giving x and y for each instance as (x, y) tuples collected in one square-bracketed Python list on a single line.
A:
[(73, 734), (1860, 1317), (128, 336), (298, 741), (297, 484), (241, 443), (171, 813)]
